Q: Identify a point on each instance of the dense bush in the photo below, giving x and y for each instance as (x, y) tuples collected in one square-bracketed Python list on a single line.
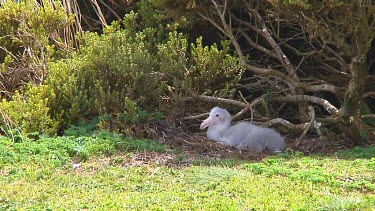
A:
[(122, 73), (205, 69), (108, 73), (116, 72), (29, 38), (30, 111)]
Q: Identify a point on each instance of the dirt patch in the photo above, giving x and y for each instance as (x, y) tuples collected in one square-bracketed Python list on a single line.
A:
[(199, 146)]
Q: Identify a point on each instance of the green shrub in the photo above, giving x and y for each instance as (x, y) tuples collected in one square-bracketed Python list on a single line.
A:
[(117, 73), (165, 15), (30, 112), (121, 73), (83, 128), (205, 69), (28, 24), (109, 72), (28, 34)]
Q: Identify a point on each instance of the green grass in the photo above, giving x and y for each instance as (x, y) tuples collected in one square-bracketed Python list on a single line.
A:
[(39, 176)]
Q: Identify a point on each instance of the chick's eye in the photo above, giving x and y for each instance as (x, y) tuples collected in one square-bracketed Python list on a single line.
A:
[(217, 115)]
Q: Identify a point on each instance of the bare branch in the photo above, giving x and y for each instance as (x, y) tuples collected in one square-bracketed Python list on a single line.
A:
[(334, 70), (312, 99), (310, 124), (368, 94), (283, 59), (293, 82), (368, 116), (336, 57), (211, 99), (248, 107), (321, 87), (10, 124), (98, 11), (257, 46), (295, 50), (285, 123), (212, 22)]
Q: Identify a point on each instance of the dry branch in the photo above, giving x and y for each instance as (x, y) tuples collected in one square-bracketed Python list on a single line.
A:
[(368, 94), (293, 82), (312, 99), (285, 123), (8, 122), (310, 124), (211, 99), (368, 116), (249, 107), (309, 53)]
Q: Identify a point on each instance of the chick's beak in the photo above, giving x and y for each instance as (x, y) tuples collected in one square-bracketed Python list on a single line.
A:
[(207, 122)]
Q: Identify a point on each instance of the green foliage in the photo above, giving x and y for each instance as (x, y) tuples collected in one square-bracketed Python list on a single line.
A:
[(28, 34), (27, 24), (133, 113), (30, 111), (268, 168), (57, 151), (119, 72), (204, 69), (132, 120), (110, 72), (165, 15), (309, 4), (174, 56), (212, 70), (314, 175), (84, 128)]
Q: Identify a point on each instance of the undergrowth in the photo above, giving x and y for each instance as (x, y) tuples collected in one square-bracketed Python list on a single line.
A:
[(37, 174), (79, 143)]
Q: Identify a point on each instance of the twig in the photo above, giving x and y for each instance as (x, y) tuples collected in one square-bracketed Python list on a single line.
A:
[(248, 107), (9, 123), (294, 81), (98, 12)]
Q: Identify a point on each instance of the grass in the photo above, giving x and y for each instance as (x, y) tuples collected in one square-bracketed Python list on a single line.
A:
[(37, 175)]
